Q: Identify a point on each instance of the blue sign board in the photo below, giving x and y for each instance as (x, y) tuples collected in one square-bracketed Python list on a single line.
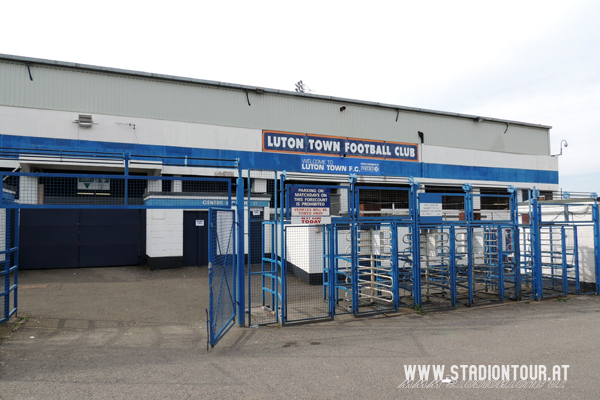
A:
[(284, 142)]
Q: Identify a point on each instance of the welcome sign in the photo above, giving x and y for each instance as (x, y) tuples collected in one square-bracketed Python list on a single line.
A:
[(285, 142)]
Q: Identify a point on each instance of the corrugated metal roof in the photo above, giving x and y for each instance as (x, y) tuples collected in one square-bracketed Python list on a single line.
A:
[(255, 89), (97, 90)]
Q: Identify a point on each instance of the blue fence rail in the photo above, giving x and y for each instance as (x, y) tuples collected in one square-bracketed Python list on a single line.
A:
[(50, 190)]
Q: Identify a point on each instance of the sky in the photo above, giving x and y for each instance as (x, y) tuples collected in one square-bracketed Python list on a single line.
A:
[(529, 61)]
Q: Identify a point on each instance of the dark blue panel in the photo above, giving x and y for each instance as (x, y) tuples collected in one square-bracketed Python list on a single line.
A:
[(49, 239), (195, 239), (109, 238)]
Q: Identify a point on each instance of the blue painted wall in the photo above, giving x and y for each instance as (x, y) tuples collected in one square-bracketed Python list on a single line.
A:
[(287, 162)]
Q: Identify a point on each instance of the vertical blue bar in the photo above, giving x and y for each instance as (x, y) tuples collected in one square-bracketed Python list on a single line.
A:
[(211, 316), (354, 272), (536, 268), (470, 261), (325, 244), (332, 278), (127, 156), (500, 240), (249, 251), (453, 289), (516, 245), (563, 242), (576, 259), (241, 270), (596, 244), (282, 261), (16, 257), (395, 266), (283, 282), (7, 230), (416, 244)]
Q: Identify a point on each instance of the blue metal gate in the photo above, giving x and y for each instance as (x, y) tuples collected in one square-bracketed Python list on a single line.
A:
[(221, 274)]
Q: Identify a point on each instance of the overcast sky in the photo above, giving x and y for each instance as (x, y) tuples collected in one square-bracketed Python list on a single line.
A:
[(530, 61)]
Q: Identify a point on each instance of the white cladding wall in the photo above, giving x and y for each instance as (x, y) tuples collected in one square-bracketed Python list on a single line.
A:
[(126, 93), (164, 233), (19, 121)]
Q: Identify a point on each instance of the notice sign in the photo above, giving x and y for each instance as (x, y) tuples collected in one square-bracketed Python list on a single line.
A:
[(309, 197), (310, 205), (430, 208), (199, 222), (311, 220)]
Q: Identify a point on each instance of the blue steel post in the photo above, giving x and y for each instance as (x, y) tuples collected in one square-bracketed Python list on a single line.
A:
[(516, 239), (127, 157), (354, 272), (536, 245), (596, 244), (500, 247), (354, 203), (241, 270), (395, 266), (453, 288), (248, 185), (468, 219), (16, 258), (416, 240), (281, 261), (576, 260), (563, 245), (6, 272), (332, 275)]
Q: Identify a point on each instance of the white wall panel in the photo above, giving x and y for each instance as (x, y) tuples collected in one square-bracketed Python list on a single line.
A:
[(478, 158), (20, 121)]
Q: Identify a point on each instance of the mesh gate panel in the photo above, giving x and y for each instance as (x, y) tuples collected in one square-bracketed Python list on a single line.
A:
[(221, 273), (305, 251)]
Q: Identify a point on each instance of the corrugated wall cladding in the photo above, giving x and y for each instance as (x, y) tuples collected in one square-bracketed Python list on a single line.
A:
[(85, 91)]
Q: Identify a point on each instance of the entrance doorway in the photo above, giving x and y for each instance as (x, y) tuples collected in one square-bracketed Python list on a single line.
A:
[(195, 238)]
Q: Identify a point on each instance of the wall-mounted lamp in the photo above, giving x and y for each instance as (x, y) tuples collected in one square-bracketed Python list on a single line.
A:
[(561, 147), (421, 136), (478, 119), (342, 108)]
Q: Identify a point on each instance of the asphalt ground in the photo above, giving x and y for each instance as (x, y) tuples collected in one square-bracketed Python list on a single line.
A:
[(131, 333)]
